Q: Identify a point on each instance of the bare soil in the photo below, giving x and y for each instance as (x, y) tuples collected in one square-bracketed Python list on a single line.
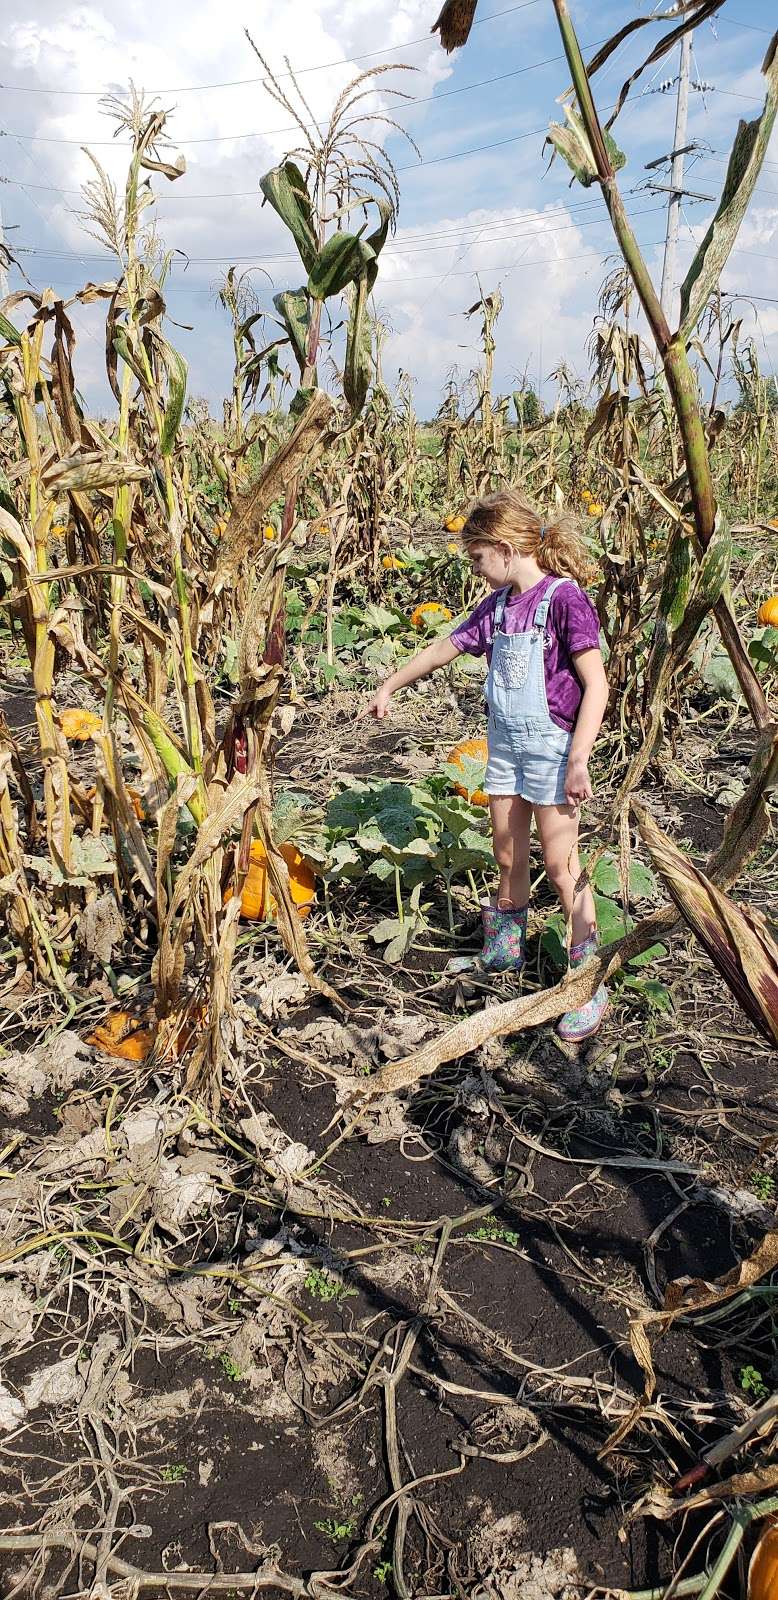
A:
[(255, 1367)]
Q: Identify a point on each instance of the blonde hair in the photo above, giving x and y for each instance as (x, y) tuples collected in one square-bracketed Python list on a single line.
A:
[(507, 518)]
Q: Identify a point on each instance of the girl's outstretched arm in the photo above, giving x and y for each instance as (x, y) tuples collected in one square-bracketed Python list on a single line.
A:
[(590, 669), (437, 654)]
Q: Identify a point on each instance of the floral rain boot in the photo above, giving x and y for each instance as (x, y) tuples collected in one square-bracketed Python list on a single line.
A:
[(505, 938), (575, 1025)]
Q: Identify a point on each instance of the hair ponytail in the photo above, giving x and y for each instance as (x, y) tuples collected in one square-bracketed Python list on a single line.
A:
[(558, 545)]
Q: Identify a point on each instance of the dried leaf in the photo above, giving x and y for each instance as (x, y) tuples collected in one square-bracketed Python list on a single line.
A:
[(737, 938), (745, 164)]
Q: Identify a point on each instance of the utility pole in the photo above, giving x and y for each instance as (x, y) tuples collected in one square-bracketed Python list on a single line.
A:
[(676, 178)]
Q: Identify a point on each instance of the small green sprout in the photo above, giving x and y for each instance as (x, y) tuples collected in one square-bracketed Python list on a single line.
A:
[(752, 1382), (324, 1286), (495, 1234), (763, 1185), (174, 1472), (335, 1531), (230, 1367)]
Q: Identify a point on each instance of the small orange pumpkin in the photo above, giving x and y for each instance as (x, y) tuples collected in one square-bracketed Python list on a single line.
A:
[(763, 1568), (430, 609), (78, 724), (136, 798), (256, 902), (469, 750), (119, 1035), (768, 612)]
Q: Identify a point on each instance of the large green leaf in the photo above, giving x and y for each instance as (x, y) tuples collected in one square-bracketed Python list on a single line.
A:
[(285, 188), (174, 410), (745, 163), (293, 308), (572, 144), (341, 261), (358, 366), (377, 239)]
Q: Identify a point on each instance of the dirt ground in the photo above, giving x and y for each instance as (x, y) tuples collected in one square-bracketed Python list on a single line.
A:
[(402, 1365)]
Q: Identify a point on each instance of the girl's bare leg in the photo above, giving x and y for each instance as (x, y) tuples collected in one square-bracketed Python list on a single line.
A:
[(558, 830), (511, 818)]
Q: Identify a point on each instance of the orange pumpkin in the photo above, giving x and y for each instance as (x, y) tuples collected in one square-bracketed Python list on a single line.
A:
[(768, 612), (469, 750), (763, 1569), (430, 609), (79, 724), (136, 798), (256, 902), (119, 1035)]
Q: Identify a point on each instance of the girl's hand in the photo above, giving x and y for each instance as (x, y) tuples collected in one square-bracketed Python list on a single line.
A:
[(577, 782), (379, 706)]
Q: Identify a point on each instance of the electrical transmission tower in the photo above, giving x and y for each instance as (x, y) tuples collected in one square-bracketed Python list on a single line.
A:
[(675, 189)]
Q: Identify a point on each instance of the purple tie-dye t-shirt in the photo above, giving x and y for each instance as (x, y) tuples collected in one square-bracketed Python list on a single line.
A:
[(572, 625)]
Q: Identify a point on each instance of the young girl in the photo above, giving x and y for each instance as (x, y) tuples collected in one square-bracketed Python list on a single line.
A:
[(546, 692)]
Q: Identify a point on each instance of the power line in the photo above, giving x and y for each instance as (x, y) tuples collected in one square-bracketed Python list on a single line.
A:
[(408, 102), (589, 255), (297, 72), (387, 255), (263, 133)]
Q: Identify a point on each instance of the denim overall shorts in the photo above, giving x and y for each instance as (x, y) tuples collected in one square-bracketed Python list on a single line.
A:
[(527, 751)]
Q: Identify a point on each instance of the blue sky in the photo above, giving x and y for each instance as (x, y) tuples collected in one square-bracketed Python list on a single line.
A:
[(499, 215)]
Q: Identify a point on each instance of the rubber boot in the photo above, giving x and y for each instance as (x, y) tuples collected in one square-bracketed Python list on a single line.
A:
[(579, 1024), (505, 938)]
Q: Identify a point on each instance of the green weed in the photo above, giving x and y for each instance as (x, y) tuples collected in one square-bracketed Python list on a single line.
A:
[(494, 1232), (336, 1532), (174, 1472), (323, 1286), (763, 1185), (752, 1382)]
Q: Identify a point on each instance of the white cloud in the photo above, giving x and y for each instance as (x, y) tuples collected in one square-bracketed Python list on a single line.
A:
[(541, 247)]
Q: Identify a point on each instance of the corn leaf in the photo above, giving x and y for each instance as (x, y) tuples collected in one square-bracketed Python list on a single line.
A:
[(286, 190), (745, 163), (377, 239), (572, 144), (174, 410), (358, 367), (677, 584), (340, 262), (736, 937), (8, 331), (293, 309)]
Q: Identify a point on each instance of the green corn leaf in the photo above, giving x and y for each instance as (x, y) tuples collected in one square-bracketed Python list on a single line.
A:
[(377, 239), (358, 367), (285, 188), (745, 163), (712, 575), (123, 347), (292, 306), (174, 410), (341, 261), (8, 331), (572, 144), (677, 584)]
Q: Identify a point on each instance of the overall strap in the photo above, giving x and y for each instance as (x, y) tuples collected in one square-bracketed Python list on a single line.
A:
[(543, 608), (499, 610)]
